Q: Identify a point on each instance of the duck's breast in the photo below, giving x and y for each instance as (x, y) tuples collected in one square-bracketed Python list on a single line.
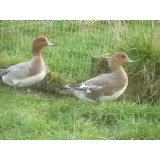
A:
[(29, 81), (115, 95)]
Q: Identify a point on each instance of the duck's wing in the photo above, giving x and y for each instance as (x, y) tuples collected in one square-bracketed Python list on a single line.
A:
[(83, 87), (15, 70), (101, 80), (93, 84)]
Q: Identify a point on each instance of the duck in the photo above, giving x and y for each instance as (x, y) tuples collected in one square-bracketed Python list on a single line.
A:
[(105, 87), (29, 73)]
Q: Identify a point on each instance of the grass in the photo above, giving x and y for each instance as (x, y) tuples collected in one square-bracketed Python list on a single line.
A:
[(134, 116), (35, 116)]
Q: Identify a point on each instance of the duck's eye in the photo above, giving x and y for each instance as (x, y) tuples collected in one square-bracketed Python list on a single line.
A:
[(123, 56), (43, 40)]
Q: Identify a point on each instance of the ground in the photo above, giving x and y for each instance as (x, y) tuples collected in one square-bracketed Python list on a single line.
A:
[(47, 116)]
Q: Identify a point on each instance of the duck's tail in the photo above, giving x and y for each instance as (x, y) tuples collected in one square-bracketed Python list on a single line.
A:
[(3, 71), (2, 68)]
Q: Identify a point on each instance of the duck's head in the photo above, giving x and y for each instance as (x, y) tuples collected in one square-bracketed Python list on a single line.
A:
[(117, 60), (39, 43)]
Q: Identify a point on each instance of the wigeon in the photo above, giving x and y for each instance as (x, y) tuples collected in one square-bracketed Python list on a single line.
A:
[(104, 87), (28, 73)]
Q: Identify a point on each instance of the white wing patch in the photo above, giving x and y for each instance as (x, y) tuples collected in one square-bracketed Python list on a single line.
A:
[(89, 87), (83, 86), (16, 69), (88, 91), (67, 86)]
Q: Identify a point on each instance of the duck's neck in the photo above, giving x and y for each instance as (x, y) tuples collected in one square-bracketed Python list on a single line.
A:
[(37, 65), (113, 69), (121, 74), (36, 51)]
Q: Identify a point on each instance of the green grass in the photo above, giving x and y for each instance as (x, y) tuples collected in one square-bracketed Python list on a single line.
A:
[(35, 116), (134, 116)]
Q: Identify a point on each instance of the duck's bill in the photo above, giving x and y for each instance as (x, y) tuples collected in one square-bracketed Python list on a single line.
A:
[(130, 61), (50, 44)]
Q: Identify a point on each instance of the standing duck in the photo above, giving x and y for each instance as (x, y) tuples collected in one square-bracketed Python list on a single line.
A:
[(104, 87), (28, 73)]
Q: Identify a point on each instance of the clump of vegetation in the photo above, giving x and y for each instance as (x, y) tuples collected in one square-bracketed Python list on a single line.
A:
[(52, 83), (100, 64)]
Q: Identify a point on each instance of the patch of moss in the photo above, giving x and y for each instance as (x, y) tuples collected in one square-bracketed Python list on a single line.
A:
[(99, 64)]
